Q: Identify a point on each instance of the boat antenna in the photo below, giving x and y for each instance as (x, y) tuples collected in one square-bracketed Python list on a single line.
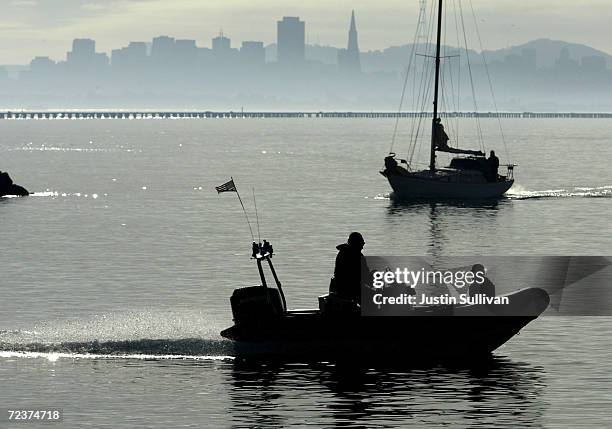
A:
[(432, 157), (231, 187), (256, 216)]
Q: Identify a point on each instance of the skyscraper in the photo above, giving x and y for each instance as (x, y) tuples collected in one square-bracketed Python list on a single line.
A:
[(222, 50), (83, 47), (221, 44), (84, 57), (186, 52), (253, 53), (348, 59), (82, 54), (290, 40), (162, 51)]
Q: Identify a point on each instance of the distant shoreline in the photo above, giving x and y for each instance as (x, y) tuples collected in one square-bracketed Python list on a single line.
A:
[(207, 114)]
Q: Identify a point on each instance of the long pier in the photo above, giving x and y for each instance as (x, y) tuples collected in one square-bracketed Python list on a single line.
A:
[(142, 114)]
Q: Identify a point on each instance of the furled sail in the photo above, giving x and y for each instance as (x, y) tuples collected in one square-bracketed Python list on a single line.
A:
[(460, 151)]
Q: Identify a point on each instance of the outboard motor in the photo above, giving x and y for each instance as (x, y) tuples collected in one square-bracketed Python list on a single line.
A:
[(256, 303), (259, 303)]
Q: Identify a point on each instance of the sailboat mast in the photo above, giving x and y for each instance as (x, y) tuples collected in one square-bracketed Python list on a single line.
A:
[(432, 159)]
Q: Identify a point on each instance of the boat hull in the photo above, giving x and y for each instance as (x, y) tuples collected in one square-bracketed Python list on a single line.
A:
[(389, 337), (462, 332), (419, 186)]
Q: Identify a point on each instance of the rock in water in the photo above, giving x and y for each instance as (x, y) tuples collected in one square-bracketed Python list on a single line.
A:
[(7, 187)]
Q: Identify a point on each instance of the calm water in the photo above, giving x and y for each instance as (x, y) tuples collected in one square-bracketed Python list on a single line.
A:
[(126, 248)]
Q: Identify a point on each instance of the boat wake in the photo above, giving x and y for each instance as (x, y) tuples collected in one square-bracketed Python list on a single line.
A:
[(44, 148), (148, 334), (55, 194), (519, 193), (146, 349), (386, 196)]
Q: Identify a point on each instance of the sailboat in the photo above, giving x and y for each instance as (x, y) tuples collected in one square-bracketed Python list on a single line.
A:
[(469, 176)]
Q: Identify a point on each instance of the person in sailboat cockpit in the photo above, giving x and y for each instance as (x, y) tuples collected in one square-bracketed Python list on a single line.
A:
[(494, 166)]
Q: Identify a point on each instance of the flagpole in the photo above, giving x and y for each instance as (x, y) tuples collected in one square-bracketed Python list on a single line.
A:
[(244, 210)]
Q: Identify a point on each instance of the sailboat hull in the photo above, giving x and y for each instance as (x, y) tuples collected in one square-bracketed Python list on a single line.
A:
[(459, 186)]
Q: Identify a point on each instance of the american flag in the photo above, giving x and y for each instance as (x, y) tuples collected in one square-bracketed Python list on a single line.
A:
[(226, 187)]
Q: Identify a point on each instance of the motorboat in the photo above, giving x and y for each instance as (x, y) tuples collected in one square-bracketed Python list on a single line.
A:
[(264, 326)]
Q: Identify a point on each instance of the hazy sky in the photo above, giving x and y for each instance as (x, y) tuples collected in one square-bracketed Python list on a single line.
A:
[(46, 27)]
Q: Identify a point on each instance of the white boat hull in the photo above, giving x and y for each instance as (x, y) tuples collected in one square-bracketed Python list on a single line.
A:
[(414, 186)]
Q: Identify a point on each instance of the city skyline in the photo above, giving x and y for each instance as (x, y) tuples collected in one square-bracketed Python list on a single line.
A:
[(44, 28), (173, 71)]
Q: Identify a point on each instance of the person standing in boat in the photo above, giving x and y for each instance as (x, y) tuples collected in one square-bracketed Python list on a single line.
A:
[(351, 270), (494, 166)]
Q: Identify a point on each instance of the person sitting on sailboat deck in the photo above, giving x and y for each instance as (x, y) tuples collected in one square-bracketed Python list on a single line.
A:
[(351, 270), (440, 136), (493, 162), (487, 287)]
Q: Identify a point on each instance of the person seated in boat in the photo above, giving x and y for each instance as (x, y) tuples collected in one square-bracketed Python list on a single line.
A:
[(351, 270), (440, 136), (494, 166), (440, 139), (486, 287)]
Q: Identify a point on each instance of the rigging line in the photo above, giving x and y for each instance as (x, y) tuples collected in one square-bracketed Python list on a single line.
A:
[(413, 105), (458, 68), (417, 103), (413, 92), (450, 105), (425, 97), (256, 216), (401, 104), (447, 105), (484, 60), (445, 98), (447, 92), (419, 108), (452, 84), (425, 41), (426, 46), (454, 122), (427, 91), (479, 128)]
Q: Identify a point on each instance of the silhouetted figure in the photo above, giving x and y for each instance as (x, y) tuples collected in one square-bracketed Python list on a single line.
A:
[(440, 136), (351, 269), (390, 163), (485, 288), (494, 166), (440, 139), (392, 167), (7, 187)]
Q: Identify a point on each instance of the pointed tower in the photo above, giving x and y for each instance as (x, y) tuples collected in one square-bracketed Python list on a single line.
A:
[(348, 59)]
